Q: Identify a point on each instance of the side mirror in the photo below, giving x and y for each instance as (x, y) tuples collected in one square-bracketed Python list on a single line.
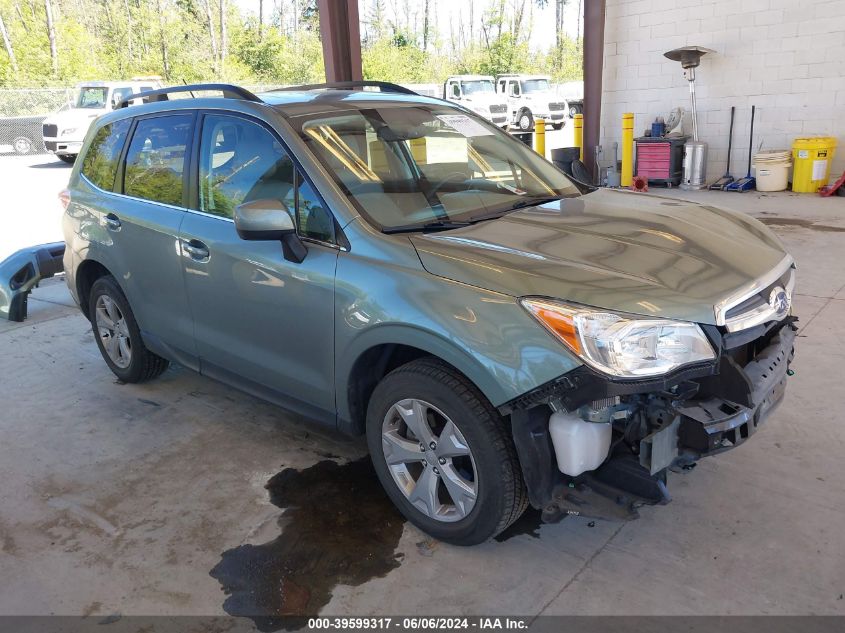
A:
[(266, 219)]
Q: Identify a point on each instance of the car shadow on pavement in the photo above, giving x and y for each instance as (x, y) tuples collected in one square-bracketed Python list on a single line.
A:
[(52, 164)]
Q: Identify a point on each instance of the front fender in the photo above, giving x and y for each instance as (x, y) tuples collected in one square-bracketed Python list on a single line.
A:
[(486, 335)]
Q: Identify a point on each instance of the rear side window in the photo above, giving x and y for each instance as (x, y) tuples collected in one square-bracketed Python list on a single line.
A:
[(100, 163), (155, 161)]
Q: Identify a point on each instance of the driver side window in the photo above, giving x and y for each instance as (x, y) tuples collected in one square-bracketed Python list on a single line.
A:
[(242, 161)]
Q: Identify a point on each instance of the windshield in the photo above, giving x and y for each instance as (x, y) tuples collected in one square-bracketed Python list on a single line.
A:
[(92, 97), (477, 87), (419, 166), (535, 85)]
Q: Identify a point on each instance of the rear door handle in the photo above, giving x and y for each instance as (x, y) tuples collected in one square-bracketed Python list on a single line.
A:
[(112, 222), (196, 250)]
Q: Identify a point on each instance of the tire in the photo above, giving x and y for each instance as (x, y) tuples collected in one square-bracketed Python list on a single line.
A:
[(525, 120), (23, 145), (480, 454), (557, 126), (128, 359), (573, 110), (70, 159)]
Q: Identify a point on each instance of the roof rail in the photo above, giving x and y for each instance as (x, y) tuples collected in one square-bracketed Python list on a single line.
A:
[(385, 86), (229, 91)]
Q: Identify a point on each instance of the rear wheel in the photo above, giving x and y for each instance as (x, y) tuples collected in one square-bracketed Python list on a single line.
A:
[(444, 454), (118, 336), (557, 126)]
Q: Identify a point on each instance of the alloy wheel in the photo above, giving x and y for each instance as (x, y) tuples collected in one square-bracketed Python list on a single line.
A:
[(113, 331), (430, 460)]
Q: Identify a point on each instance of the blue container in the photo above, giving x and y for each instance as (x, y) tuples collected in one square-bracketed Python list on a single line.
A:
[(658, 129)]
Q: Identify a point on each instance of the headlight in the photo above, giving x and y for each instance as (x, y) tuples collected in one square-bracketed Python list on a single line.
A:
[(621, 344), (69, 130)]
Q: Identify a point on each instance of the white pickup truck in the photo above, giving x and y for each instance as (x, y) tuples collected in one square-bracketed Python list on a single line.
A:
[(531, 97), (478, 93), (64, 131)]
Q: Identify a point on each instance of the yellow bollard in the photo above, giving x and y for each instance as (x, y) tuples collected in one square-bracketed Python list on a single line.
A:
[(578, 129), (540, 137), (627, 176)]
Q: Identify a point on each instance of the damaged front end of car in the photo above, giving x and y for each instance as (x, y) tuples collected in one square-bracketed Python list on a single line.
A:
[(641, 428)]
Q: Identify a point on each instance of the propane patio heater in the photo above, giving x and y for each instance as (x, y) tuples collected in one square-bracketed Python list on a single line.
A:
[(695, 151)]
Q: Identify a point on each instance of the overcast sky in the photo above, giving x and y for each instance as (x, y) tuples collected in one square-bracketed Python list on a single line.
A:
[(452, 12)]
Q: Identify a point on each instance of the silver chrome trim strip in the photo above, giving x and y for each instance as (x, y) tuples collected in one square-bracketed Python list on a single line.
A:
[(760, 314), (749, 290)]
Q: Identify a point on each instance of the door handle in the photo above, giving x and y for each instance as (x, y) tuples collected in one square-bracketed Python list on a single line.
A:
[(196, 250), (112, 222)]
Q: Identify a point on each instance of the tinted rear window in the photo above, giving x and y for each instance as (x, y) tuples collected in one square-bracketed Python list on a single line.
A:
[(155, 160), (100, 163)]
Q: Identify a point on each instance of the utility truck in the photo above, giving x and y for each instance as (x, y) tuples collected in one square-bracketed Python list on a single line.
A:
[(64, 131), (531, 97), (478, 93)]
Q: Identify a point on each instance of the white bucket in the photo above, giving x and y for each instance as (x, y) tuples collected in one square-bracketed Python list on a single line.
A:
[(772, 169)]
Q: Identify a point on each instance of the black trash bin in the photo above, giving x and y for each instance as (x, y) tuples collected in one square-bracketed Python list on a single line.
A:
[(562, 158), (525, 137)]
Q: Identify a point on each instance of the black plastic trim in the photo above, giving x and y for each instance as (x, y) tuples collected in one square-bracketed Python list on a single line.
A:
[(385, 86), (229, 91)]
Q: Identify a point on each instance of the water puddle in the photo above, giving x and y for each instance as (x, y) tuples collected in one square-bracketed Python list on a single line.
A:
[(338, 527)]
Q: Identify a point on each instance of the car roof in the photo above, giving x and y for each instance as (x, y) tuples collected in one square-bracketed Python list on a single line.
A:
[(292, 103), (288, 103)]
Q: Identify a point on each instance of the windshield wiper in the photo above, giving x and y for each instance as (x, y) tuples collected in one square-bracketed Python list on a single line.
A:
[(526, 202), (439, 225)]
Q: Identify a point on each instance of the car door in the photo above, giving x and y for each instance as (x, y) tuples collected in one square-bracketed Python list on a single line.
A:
[(137, 211), (261, 322)]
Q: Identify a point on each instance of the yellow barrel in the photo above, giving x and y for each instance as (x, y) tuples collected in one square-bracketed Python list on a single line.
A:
[(811, 158), (627, 176), (578, 130), (540, 136)]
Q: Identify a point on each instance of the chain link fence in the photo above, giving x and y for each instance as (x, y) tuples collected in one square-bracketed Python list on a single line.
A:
[(21, 113)]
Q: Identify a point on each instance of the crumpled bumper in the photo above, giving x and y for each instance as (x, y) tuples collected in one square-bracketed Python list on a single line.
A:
[(21, 272), (716, 424)]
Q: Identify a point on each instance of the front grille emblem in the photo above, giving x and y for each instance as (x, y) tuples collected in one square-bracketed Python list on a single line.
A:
[(779, 301)]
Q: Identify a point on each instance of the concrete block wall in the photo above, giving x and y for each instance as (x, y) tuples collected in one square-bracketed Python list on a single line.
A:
[(787, 57)]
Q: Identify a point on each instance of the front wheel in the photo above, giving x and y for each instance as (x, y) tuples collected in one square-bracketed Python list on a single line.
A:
[(557, 126), (443, 453), (68, 158), (525, 121)]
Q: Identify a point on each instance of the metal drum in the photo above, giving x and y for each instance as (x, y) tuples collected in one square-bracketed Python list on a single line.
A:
[(695, 165)]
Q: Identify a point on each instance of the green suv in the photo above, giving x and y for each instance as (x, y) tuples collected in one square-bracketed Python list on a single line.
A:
[(394, 265)]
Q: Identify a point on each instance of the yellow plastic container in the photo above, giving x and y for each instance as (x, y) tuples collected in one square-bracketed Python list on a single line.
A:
[(811, 157)]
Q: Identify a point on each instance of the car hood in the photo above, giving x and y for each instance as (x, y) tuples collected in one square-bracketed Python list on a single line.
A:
[(620, 251)]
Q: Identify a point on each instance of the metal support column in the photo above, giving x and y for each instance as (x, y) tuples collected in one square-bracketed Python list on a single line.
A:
[(341, 35), (594, 14)]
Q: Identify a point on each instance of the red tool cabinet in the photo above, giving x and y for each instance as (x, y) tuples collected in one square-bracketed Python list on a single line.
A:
[(660, 159)]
